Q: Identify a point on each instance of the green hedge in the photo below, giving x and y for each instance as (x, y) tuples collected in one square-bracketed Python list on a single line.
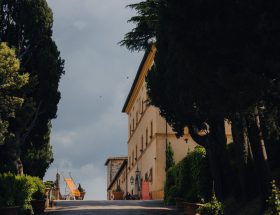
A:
[(16, 190), (189, 179)]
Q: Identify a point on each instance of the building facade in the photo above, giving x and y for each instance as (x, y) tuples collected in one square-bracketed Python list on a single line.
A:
[(116, 175), (148, 135)]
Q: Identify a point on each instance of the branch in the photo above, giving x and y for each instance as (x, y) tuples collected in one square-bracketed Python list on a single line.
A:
[(200, 140), (20, 56)]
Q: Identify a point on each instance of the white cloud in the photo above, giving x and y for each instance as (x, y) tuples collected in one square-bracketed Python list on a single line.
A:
[(66, 138)]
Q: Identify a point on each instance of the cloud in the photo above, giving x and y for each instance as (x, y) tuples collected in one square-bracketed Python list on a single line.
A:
[(80, 25), (90, 126)]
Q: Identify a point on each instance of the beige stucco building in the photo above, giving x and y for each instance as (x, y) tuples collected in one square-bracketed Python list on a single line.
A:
[(148, 134)]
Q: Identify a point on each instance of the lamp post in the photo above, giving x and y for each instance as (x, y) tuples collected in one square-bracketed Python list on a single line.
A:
[(137, 181), (131, 180)]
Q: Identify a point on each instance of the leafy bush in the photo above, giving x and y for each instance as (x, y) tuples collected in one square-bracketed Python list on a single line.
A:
[(24, 190), (8, 190), (81, 189), (40, 189), (49, 184), (118, 189), (19, 190), (273, 203), (214, 207), (189, 179)]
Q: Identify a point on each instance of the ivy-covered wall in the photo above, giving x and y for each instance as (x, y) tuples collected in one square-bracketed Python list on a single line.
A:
[(190, 179)]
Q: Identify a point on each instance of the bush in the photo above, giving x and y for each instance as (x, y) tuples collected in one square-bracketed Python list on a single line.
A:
[(40, 188), (19, 190), (189, 179), (81, 189), (273, 203), (214, 207), (118, 189), (8, 190), (24, 190), (49, 184)]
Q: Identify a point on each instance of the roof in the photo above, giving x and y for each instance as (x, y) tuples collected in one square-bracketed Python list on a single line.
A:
[(115, 158), (137, 76), (124, 164)]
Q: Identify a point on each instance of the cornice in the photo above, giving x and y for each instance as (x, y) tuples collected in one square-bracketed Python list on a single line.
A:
[(144, 67)]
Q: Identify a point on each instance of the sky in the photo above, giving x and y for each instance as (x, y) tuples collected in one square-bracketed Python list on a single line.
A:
[(90, 126)]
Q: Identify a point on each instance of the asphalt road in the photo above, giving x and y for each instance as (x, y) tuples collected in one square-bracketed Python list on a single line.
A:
[(128, 207)]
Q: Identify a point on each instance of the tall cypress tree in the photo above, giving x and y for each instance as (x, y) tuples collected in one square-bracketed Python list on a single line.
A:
[(27, 26), (219, 60)]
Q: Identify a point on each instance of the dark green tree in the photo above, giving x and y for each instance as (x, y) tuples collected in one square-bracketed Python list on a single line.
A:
[(37, 153), (145, 21), (11, 82), (211, 66), (27, 26), (169, 157)]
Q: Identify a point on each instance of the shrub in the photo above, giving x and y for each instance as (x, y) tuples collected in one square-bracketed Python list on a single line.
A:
[(118, 189), (273, 203), (214, 207), (17, 190), (8, 190), (24, 190), (190, 178), (81, 189), (40, 189)]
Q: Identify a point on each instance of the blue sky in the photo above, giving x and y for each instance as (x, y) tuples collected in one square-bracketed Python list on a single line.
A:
[(90, 126)]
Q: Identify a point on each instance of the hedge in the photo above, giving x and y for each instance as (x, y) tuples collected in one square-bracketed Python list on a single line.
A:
[(16, 190), (190, 179)]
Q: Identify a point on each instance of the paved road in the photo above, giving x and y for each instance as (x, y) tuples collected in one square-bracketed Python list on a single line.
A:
[(110, 207)]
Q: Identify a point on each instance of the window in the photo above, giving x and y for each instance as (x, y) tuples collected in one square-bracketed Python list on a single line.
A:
[(142, 108), (130, 131), (139, 105), (151, 129), (133, 124), (147, 137), (137, 118), (151, 175), (142, 143), (132, 158), (136, 157)]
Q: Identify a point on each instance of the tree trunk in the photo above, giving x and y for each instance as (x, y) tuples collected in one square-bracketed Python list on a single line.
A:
[(219, 148), (215, 144), (259, 152), (19, 166), (17, 160), (244, 157)]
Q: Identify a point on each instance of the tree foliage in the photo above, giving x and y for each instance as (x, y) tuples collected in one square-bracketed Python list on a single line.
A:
[(273, 202), (189, 179), (27, 26), (169, 157), (219, 61), (146, 22), (11, 81)]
